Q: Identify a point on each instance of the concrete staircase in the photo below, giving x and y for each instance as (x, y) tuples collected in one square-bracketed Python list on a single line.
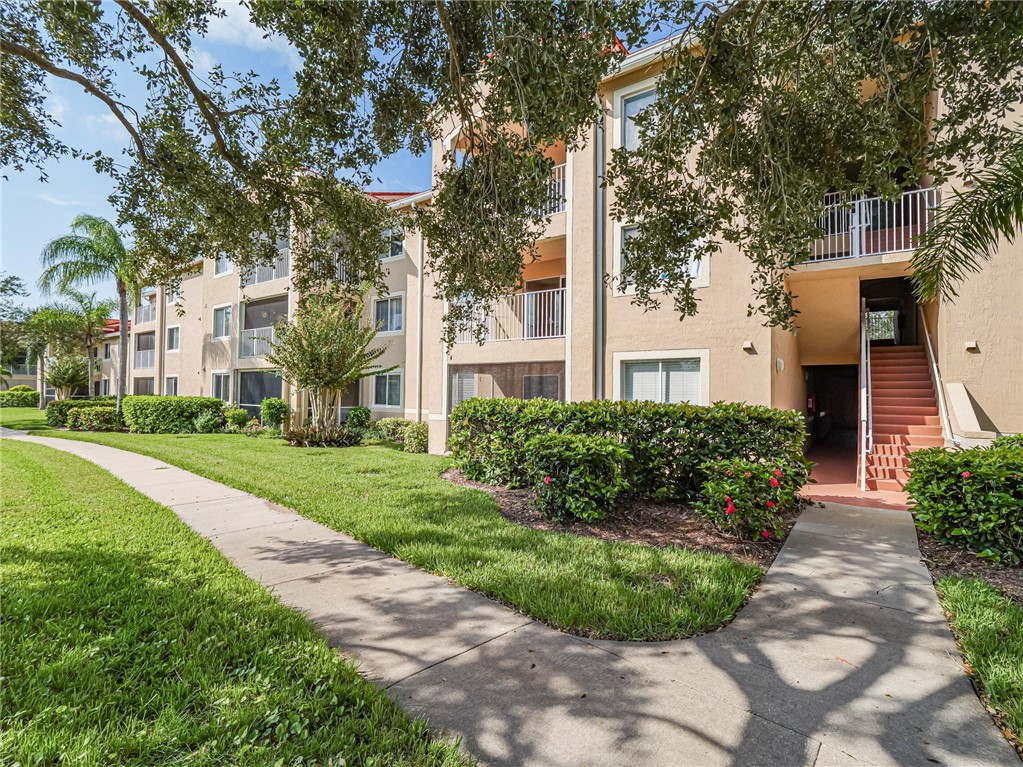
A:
[(905, 412)]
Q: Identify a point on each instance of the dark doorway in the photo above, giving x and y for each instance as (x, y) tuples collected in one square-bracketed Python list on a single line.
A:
[(892, 316), (833, 391)]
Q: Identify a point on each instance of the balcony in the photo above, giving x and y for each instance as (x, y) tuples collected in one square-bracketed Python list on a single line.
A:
[(279, 269), (145, 358), (23, 370), (145, 313), (256, 342), (873, 226), (523, 316)]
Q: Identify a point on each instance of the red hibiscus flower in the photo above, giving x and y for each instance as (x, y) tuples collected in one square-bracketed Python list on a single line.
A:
[(770, 504), (774, 482), (965, 474), (777, 472), (766, 534), (546, 480)]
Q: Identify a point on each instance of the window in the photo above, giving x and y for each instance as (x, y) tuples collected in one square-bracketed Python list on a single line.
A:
[(106, 351), (387, 390), (222, 386), (173, 339), (144, 386), (222, 322), (94, 351), (463, 387), (394, 244), (670, 381), (632, 106), (389, 314), (170, 386), (256, 386), (627, 233), (106, 387), (173, 296), (223, 265), (544, 387)]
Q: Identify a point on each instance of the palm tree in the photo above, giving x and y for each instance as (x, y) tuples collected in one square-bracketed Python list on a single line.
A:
[(94, 315), (92, 253), (54, 328), (969, 227)]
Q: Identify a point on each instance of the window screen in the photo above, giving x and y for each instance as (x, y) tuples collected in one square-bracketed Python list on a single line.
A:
[(463, 387), (143, 386), (545, 387), (669, 381)]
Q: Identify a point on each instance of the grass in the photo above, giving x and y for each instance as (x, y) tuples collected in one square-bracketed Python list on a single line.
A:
[(24, 418), (398, 503), (129, 640), (990, 630)]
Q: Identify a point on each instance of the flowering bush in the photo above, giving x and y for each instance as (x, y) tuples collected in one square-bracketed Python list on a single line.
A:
[(417, 438), (578, 477), (253, 428), (747, 498), (99, 418), (971, 498)]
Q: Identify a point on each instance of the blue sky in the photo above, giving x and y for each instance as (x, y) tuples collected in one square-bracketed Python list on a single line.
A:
[(33, 212)]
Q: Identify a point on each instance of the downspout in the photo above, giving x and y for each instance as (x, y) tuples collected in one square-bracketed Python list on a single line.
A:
[(419, 327), (598, 217)]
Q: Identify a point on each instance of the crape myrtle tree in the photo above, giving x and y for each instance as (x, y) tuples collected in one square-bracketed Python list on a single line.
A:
[(760, 112)]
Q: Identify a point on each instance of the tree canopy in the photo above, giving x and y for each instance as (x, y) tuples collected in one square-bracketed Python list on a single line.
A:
[(761, 110)]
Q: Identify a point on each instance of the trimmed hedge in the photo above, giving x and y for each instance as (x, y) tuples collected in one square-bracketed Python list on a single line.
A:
[(155, 414), (12, 398), (57, 411), (667, 444), (577, 476), (99, 418), (392, 429), (971, 498)]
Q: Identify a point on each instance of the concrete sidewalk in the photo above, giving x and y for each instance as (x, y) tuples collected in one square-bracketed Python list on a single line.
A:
[(843, 657)]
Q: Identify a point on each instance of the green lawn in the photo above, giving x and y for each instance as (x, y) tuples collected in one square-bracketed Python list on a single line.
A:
[(398, 503), (990, 630), (23, 418), (129, 640)]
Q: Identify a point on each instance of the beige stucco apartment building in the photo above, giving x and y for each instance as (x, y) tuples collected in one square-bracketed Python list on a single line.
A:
[(873, 372)]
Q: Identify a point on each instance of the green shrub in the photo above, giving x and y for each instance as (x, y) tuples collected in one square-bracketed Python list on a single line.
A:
[(275, 412), (236, 418), (21, 387), (971, 498), (57, 412), (1006, 440), (667, 444), (18, 397), (358, 418), (417, 438), (747, 498), (578, 477), (99, 418), (153, 414), (335, 435), (253, 428), (208, 423), (391, 428)]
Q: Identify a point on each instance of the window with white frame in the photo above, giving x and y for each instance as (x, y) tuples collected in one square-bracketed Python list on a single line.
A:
[(106, 351), (394, 244), (223, 264), (665, 381), (387, 390), (222, 322), (632, 106), (170, 386), (389, 314), (106, 387), (173, 338), (628, 232), (463, 387), (173, 296), (222, 386)]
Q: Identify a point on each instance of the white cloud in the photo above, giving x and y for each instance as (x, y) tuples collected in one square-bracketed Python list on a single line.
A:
[(235, 28), (62, 203), (202, 61), (56, 107)]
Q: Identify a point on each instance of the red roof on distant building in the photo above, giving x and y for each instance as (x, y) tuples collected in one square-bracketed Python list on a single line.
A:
[(114, 326)]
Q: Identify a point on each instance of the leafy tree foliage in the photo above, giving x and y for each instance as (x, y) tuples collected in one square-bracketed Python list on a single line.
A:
[(65, 374), (92, 314), (12, 317), (54, 329), (325, 349)]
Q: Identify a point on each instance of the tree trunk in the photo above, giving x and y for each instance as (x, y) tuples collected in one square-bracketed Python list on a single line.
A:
[(122, 345), (88, 362), (41, 362)]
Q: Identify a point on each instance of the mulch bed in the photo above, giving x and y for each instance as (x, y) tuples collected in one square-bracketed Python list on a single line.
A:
[(943, 559), (644, 522)]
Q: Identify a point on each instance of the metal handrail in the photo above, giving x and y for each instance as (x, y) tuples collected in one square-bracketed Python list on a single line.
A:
[(946, 423), (866, 406)]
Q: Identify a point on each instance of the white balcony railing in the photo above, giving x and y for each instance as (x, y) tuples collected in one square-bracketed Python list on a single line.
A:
[(145, 359), (275, 271), (255, 342), (22, 369), (531, 315), (145, 313), (873, 226), (555, 192)]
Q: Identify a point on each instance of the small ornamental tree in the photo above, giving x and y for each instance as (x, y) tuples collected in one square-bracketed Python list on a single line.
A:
[(325, 349), (66, 374)]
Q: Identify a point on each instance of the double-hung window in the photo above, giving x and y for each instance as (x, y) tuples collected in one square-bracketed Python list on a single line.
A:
[(106, 351), (223, 265), (632, 106), (173, 339), (222, 322), (170, 386), (222, 386), (389, 314), (664, 381), (387, 390), (394, 244)]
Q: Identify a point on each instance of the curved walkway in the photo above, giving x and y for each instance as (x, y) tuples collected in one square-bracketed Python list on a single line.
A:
[(843, 657)]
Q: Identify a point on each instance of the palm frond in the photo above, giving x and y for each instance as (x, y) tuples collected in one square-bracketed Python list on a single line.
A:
[(969, 228)]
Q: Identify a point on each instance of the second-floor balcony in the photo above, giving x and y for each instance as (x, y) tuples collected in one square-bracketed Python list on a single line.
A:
[(256, 342), (555, 192), (279, 269), (873, 226), (523, 316), (145, 313), (145, 358)]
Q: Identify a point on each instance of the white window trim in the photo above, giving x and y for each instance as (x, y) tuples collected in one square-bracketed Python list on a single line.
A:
[(404, 318), (213, 318), (166, 332), (400, 256), (617, 358), (214, 374), (703, 281), (400, 372), (108, 351), (177, 382), (217, 274), (617, 112)]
